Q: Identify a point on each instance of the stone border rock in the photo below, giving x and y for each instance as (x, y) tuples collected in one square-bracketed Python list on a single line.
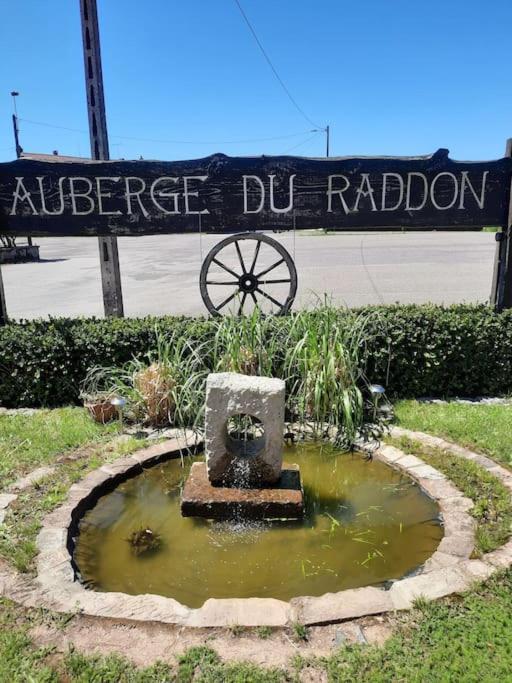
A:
[(447, 571)]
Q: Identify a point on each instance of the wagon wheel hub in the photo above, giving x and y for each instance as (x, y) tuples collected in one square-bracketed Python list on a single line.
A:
[(248, 283)]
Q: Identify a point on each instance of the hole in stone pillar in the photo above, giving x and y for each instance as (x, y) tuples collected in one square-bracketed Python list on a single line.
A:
[(245, 435)]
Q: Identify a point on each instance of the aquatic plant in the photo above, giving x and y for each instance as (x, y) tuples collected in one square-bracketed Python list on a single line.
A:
[(144, 540)]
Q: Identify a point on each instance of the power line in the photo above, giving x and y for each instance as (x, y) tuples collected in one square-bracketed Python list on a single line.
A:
[(170, 142), (301, 143), (274, 70)]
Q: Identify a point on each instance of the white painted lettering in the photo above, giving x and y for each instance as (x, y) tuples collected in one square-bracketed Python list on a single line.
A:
[(129, 193), (331, 192), (453, 198), (290, 203), (102, 194), (261, 189), (187, 193), (163, 194), (408, 204), (480, 200), (44, 209), (74, 194), (400, 180), (21, 194), (365, 182)]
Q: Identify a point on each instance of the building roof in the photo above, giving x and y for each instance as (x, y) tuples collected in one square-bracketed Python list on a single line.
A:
[(53, 157)]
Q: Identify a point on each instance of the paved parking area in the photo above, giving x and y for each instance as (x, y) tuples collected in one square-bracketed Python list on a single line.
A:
[(160, 274)]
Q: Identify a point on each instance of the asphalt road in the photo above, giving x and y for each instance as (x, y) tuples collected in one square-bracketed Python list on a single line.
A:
[(160, 274)]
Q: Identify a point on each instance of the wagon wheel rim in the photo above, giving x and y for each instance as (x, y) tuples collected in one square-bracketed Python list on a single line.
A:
[(247, 279)]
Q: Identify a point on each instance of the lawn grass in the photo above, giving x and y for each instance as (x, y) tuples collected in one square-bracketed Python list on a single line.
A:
[(483, 427), (23, 519), (464, 638), (29, 441), (459, 639), (493, 504)]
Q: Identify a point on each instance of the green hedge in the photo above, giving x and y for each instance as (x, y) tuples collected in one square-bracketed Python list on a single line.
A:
[(413, 350)]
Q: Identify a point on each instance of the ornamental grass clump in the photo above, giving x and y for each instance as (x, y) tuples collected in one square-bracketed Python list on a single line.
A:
[(324, 366), (164, 388), (245, 344), (155, 384)]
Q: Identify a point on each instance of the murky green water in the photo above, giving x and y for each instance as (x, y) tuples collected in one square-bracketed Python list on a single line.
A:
[(365, 523)]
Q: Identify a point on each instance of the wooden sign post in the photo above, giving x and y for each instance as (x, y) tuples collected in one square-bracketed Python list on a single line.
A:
[(3, 305), (501, 292), (109, 255)]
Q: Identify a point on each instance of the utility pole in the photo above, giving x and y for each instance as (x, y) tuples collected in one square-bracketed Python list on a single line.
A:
[(19, 148), (327, 131), (501, 294), (109, 254)]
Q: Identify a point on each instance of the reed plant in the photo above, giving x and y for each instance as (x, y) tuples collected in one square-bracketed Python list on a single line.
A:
[(245, 344), (321, 355), (324, 367)]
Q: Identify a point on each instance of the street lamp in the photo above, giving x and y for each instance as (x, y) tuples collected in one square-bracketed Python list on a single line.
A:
[(14, 95)]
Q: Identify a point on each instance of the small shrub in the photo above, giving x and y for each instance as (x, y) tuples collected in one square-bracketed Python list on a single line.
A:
[(413, 350)]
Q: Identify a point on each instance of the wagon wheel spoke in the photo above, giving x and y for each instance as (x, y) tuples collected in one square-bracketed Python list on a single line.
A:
[(273, 282), (228, 270), (226, 301), (271, 298), (241, 307), (222, 282), (240, 257), (255, 258), (267, 270)]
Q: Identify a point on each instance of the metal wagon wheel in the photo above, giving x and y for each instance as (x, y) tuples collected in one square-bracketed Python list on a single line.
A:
[(251, 281)]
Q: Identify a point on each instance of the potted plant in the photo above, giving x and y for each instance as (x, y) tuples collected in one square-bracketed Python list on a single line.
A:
[(97, 394)]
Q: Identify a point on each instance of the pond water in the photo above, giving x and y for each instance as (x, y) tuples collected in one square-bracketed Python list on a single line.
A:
[(365, 523)]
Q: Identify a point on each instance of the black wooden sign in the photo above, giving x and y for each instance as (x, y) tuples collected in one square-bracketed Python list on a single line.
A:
[(232, 194)]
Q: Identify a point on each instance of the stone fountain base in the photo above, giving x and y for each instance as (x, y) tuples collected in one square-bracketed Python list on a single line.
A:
[(284, 500)]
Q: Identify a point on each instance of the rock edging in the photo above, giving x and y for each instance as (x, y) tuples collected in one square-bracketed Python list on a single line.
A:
[(447, 571)]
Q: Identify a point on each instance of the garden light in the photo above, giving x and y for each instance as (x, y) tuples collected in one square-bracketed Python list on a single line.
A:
[(377, 391), (119, 403)]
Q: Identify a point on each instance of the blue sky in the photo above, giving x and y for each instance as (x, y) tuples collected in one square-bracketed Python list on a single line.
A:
[(398, 77)]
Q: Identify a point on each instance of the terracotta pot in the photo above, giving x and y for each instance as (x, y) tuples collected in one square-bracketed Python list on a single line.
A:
[(101, 411)]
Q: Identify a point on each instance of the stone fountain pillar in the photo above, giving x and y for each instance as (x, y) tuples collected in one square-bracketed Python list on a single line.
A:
[(243, 477), (231, 461)]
